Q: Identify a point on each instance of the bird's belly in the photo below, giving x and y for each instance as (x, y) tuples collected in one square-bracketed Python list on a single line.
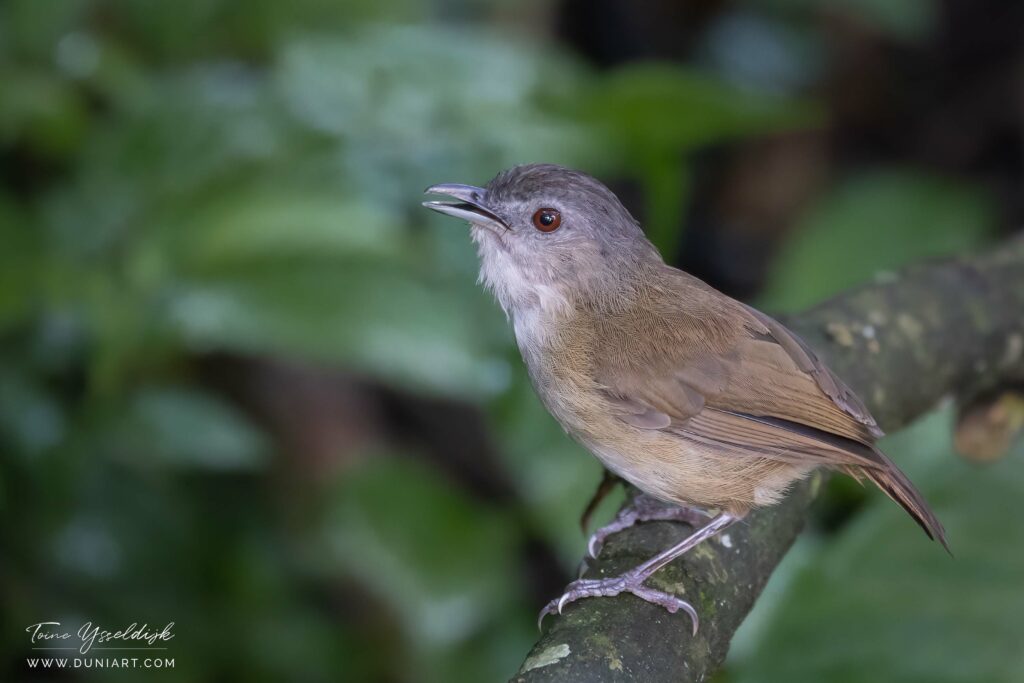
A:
[(684, 472), (667, 465)]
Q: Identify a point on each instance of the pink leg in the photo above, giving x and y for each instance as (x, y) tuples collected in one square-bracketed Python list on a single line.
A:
[(632, 581)]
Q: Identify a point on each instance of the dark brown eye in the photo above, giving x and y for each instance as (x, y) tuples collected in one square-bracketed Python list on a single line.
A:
[(547, 220)]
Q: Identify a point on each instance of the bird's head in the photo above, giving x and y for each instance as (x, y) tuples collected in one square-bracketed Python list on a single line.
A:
[(548, 235)]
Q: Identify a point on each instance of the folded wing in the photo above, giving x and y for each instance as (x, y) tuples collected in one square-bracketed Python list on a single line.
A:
[(762, 392)]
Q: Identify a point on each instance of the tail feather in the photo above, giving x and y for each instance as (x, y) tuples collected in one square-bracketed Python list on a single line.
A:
[(897, 486)]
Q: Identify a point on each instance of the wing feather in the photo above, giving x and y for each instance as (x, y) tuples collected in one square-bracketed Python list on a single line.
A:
[(752, 388), (760, 390)]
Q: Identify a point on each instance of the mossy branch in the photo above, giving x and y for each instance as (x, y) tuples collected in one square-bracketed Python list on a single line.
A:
[(904, 342)]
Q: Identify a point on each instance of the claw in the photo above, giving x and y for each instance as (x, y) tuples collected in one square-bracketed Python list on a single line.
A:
[(625, 519), (590, 588), (670, 603), (582, 569), (548, 609), (633, 580)]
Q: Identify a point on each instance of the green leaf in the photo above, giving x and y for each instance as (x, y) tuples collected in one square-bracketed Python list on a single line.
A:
[(186, 428), (410, 106), (654, 111), (264, 224), (653, 114), (881, 602), (443, 561), (879, 220), (367, 316)]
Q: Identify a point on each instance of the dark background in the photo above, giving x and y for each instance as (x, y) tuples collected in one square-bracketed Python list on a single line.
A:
[(248, 385)]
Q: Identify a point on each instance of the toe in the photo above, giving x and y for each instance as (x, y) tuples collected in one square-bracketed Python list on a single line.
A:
[(548, 609), (670, 602)]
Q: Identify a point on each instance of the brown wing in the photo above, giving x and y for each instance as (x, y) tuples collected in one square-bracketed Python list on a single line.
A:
[(760, 388), (757, 390), (841, 404)]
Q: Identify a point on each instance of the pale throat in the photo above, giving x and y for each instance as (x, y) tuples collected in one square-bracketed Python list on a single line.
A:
[(531, 305)]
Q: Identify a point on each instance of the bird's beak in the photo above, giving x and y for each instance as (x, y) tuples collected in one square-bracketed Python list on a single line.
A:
[(472, 204)]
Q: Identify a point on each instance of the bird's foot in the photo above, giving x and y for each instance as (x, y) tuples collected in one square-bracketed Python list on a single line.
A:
[(644, 508), (629, 582)]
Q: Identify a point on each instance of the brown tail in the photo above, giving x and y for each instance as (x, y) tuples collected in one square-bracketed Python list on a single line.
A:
[(897, 486)]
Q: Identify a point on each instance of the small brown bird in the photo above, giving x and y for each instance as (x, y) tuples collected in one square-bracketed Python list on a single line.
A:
[(693, 397)]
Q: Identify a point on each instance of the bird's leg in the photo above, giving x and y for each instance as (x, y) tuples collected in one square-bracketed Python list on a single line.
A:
[(633, 580), (608, 482), (644, 508)]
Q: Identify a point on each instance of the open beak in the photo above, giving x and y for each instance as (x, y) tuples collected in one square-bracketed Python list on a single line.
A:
[(471, 205)]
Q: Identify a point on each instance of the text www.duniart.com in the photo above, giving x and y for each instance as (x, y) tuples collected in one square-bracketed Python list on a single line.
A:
[(100, 662)]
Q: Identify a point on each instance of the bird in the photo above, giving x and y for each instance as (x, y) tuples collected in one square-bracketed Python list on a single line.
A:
[(700, 401)]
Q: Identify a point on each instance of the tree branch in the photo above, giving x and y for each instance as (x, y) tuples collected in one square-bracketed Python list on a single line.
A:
[(904, 342)]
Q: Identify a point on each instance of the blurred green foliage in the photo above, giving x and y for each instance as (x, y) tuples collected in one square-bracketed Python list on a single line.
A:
[(876, 604), (243, 178), (875, 221)]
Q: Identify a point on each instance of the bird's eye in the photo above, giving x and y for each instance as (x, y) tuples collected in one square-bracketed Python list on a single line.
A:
[(547, 220)]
